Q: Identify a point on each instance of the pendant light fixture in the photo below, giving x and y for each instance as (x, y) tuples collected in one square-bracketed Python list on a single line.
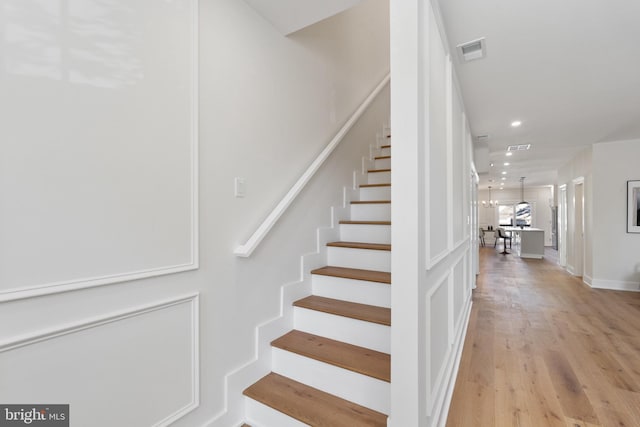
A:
[(522, 191), (492, 203), (523, 209)]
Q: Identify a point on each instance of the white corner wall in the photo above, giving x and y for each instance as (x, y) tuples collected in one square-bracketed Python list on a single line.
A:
[(111, 166), (579, 168), (432, 255), (615, 252)]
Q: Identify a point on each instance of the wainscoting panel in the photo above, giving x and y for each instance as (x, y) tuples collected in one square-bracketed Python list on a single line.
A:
[(438, 308), (138, 367), (99, 155)]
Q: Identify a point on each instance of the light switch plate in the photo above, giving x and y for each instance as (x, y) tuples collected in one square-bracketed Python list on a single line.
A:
[(239, 187)]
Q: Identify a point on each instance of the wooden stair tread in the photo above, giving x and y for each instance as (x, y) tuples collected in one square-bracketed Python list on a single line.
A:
[(374, 185), (353, 310), (370, 202), (378, 170), (386, 146), (310, 405), (382, 157), (366, 222), (354, 273), (362, 360), (361, 245)]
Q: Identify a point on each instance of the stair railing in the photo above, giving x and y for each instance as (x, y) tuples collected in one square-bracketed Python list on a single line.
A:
[(247, 249)]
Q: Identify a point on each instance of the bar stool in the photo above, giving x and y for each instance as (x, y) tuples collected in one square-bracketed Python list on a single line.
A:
[(503, 235)]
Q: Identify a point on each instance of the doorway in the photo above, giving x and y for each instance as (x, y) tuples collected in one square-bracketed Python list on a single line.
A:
[(562, 225), (578, 229)]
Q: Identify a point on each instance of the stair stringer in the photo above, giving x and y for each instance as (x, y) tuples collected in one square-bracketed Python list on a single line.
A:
[(260, 365)]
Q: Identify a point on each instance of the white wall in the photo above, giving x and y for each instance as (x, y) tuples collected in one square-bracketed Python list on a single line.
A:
[(539, 198), (116, 175), (615, 252), (431, 217), (579, 168)]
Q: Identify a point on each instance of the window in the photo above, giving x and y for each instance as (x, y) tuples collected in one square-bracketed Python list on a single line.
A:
[(515, 215), (505, 215), (523, 215)]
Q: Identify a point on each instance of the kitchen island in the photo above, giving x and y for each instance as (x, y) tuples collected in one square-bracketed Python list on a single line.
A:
[(531, 241)]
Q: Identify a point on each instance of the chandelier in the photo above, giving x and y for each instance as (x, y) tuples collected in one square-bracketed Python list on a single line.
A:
[(491, 203)]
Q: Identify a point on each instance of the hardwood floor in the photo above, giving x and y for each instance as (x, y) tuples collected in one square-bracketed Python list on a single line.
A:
[(544, 349)]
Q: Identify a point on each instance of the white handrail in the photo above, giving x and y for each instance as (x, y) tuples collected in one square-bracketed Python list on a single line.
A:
[(247, 249)]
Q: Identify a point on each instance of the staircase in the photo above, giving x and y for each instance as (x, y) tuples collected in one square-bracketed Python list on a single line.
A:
[(334, 368)]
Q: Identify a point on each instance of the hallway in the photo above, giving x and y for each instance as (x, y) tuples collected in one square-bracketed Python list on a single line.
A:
[(544, 349)]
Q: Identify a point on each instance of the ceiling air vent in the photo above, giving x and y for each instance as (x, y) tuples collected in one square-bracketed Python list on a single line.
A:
[(482, 138), (519, 147), (474, 49)]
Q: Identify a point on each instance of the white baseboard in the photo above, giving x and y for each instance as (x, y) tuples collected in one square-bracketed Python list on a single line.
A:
[(616, 285), (587, 280)]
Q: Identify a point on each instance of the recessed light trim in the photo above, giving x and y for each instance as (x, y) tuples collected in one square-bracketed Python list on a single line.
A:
[(504, 172), (516, 123), (508, 153), (506, 163)]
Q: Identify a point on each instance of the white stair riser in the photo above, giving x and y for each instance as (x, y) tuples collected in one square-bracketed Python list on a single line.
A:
[(354, 387), (371, 212), (357, 332), (260, 415), (351, 290), (375, 193), (385, 151), (378, 177), (365, 259), (367, 233), (383, 163)]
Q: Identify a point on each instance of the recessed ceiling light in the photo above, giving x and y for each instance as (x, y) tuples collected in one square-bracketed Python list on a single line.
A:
[(515, 123), (509, 153), (504, 179), (504, 172), (507, 163)]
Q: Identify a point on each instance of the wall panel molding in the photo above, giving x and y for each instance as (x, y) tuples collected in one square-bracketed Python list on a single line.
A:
[(76, 283), (60, 331)]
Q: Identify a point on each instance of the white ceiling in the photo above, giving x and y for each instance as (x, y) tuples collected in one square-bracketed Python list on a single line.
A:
[(289, 16), (568, 69)]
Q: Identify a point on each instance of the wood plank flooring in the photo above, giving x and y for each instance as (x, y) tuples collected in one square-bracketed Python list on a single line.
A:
[(544, 349)]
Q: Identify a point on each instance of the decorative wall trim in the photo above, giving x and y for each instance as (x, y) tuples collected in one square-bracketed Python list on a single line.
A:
[(193, 264), (443, 279), (446, 393), (616, 285), (432, 262), (247, 249), (95, 322)]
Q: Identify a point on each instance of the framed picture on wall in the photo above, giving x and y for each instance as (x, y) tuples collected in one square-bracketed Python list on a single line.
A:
[(633, 206)]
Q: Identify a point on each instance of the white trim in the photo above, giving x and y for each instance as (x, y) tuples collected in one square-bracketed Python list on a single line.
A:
[(444, 278), (95, 322), (449, 148), (247, 249), (534, 256), (193, 264), (588, 280), (616, 285), (443, 409)]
